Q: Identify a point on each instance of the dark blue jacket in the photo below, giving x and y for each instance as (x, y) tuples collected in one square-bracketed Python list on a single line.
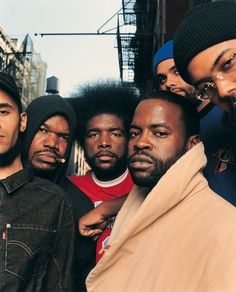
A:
[(37, 235)]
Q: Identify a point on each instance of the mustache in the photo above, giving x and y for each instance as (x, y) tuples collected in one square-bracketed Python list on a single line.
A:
[(105, 153), (140, 152), (53, 153)]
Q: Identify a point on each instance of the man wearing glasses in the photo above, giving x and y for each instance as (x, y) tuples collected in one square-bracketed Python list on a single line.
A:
[(205, 55)]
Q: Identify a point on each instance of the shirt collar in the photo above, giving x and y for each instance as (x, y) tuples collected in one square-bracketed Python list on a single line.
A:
[(17, 180), (110, 183)]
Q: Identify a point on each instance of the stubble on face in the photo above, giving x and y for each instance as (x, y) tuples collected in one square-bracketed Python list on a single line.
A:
[(10, 155), (105, 146), (160, 167), (107, 171)]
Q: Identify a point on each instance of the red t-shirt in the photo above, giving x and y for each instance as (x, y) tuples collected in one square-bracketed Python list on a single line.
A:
[(98, 194)]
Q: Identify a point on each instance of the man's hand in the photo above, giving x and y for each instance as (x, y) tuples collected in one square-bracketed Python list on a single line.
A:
[(92, 224)]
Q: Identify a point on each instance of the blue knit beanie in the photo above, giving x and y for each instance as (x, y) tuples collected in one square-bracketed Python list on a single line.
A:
[(165, 52)]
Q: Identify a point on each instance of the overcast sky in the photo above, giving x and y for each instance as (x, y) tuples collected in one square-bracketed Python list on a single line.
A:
[(72, 59)]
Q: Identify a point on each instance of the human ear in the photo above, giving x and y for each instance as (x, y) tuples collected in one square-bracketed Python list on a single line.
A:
[(23, 122), (192, 141)]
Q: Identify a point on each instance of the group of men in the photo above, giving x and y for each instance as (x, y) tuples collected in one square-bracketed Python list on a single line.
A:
[(175, 232), (37, 223), (220, 171), (102, 125)]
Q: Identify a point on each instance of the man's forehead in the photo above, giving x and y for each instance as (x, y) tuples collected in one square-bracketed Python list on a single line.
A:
[(55, 120), (105, 117), (165, 65), (155, 106), (56, 117)]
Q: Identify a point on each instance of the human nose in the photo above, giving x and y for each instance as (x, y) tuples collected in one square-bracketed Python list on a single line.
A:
[(52, 141), (223, 87), (170, 82), (104, 141), (142, 142)]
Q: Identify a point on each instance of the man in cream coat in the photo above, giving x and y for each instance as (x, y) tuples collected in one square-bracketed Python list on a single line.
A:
[(173, 233)]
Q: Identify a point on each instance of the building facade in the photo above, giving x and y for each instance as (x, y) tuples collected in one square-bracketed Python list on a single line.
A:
[(155, 22), (18, 59)]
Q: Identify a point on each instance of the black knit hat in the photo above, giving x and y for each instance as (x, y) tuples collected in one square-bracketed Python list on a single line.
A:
[(40, 110), (202, 27), (8, 84)]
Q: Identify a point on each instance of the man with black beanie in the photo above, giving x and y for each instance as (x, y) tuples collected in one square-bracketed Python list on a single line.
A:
[(51, 129), (205, 55), (47, 146)]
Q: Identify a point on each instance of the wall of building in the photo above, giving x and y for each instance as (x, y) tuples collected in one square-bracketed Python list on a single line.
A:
[(18, 59)]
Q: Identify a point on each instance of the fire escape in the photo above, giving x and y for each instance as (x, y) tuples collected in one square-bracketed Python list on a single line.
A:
[(135, 48)]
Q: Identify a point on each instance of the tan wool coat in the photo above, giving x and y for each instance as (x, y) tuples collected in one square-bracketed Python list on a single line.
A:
[(181, 237)]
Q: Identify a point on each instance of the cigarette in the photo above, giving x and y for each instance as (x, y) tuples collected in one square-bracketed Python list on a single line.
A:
[(60, 160)]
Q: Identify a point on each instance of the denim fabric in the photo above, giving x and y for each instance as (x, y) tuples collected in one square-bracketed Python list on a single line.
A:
[(37, 235)]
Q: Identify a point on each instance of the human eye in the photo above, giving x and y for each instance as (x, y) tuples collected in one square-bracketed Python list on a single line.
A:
[(64, 137), (117, 134), (4, 112), (204, 91), (208, 85), (160, 133), (229, 63), (92, 134), (43, 130), (161, 78), (176, 72), (133, 134)]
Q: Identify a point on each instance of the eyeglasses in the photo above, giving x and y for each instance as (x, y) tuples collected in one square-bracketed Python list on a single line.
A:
[(208, 90)]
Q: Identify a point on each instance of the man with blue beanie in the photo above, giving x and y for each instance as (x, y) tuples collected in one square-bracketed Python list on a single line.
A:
[(168, 77)]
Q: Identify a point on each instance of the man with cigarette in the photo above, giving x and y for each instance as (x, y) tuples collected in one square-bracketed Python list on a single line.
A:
[(49, 136), (47, 146)]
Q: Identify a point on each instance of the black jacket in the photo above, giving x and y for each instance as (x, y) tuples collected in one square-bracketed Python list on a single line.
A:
[(37, 235), (86, 251), (39, 111)]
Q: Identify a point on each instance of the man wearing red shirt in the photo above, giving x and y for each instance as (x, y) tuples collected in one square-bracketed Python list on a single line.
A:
[(104, 111)]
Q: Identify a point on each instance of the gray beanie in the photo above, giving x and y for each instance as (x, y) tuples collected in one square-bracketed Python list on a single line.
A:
[(203, 26)]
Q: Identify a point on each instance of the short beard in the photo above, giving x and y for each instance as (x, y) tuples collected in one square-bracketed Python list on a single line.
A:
[(111, 173), (160, 168), (46, 174), (8, 157)]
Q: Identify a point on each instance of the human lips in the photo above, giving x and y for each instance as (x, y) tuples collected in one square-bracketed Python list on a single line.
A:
[(48, 157), (104, 155), (140, 161), (2, 137), (178, 91)]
